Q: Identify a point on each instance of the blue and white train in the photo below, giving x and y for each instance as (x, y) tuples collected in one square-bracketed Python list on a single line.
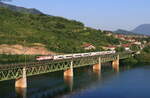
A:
[(68, 56)]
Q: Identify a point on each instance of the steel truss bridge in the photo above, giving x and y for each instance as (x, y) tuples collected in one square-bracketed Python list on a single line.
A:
[(14, 71)]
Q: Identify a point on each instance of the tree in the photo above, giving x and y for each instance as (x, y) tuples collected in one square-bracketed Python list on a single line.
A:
[(135, 48), (120, 49), (147, 49)]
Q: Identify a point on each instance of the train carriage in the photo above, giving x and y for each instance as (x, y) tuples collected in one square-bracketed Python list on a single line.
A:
[(68, 56)]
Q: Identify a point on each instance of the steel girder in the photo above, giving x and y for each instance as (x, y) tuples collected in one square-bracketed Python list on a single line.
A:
[(13, 71)]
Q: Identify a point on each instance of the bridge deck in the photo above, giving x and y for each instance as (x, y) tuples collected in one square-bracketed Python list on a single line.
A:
[(14, 71)]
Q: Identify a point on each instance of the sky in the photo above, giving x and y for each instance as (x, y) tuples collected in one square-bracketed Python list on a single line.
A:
[(100, 14)]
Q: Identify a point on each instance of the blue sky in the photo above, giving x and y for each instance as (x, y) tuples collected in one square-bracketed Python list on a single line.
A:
[(103, 14)]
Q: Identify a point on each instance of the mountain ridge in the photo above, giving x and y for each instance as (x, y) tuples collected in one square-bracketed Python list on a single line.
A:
[(142, 29), (122, 31), (20, 9)]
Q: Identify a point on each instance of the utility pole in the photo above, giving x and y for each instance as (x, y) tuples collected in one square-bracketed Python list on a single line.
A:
[(24, 51)]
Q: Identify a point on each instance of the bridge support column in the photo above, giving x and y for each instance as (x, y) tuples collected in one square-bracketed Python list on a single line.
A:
[(97, 67), (69, 72), (22, 82), (115, 64)]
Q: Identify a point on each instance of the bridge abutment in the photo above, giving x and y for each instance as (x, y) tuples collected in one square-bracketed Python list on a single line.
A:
[(97, 67), (22, 82), (69, 72), (115, 64)]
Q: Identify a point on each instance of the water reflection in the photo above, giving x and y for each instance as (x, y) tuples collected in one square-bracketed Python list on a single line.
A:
[(69, 82), (97, 73), (116, 69), (53, 85), (21, 92)]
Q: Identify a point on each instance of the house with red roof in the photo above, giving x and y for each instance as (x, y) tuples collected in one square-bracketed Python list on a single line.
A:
[(126, 46), (88, 46), (110, 48)]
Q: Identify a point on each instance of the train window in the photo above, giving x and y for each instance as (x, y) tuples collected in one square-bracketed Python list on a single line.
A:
[(77, 55)]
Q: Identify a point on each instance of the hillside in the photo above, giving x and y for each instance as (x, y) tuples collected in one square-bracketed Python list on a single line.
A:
[(142, 29), (121, 31), (55, 33)]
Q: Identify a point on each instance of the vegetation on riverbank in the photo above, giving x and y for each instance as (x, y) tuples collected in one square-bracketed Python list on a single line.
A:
[(139, 59), (9, 59)]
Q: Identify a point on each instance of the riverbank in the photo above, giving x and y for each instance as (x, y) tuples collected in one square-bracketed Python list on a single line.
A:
[(8, 59), (140, 59)]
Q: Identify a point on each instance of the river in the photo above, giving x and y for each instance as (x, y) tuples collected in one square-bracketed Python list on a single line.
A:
[(127, 83)]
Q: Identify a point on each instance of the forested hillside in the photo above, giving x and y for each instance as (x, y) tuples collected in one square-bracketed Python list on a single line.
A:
[(56, 33)]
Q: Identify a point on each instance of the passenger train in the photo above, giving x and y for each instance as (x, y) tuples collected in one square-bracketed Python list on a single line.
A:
[(68, 56)]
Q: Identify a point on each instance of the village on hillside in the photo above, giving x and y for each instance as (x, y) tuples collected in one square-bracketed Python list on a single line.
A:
[(133, 42)]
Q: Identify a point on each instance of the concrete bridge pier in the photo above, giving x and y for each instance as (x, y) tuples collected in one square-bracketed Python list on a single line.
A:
[(22, 82), (69, 72), (115, 64), (21, 85), (97, 67)]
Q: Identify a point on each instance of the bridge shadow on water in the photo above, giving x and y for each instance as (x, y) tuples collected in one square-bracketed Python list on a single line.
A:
[(56, 85)]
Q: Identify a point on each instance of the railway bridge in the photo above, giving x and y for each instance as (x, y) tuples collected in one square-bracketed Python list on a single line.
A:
[(21, 71)]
